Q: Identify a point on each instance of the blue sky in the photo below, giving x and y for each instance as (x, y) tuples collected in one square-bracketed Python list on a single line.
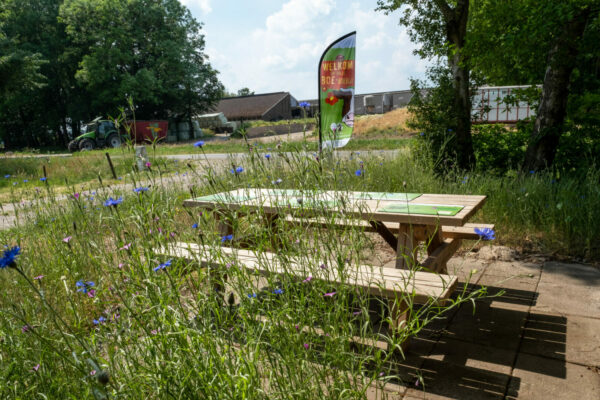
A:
[(271, 46)]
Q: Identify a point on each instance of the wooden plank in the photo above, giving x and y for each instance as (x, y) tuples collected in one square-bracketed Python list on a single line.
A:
[(437, 260), (376, 280), (406, 248), (362, 209), (385, 233), (465, 232), (208, 252)]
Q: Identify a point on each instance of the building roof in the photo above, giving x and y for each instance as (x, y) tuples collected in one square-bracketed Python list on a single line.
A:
[(392, 92), (247, 107)]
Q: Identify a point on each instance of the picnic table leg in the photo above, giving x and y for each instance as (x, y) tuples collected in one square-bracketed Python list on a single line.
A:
[(224, 226), (406, 250), (434, 240), (399, 315), (271, 220)]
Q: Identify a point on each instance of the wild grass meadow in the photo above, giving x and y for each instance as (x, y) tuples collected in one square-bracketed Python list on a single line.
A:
[(87, 310)]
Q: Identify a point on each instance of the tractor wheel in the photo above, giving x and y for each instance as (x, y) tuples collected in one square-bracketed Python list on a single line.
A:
[(87, 145), (73, 146), (113, 141)]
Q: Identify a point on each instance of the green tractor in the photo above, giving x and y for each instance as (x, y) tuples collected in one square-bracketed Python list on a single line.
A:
[(96, 134)]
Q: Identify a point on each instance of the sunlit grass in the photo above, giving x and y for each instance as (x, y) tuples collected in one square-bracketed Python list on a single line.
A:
[(167, 333)]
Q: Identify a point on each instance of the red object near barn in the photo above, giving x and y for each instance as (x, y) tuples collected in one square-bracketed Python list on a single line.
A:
[(148, 131)]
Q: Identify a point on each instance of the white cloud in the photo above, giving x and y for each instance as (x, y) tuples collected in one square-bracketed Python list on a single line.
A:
[(283, 54), (203, 5)]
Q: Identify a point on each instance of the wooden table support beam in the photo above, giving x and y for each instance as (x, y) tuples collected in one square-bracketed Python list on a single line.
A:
[(385, 233), (436, 262), (407, 248)]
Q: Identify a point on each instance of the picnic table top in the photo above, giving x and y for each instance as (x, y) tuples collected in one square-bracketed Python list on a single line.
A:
[(413, 208)]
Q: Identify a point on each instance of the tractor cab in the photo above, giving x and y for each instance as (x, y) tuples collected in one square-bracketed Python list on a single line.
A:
[(95, 134)]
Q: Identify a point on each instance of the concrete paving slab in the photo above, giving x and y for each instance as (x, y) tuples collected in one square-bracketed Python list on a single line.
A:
[(569, 289), (466, 269), (540, 378), (518, 292), (577, 274), (473, 355), (488, 325), (572, 338), (445, 380), (514, 268)]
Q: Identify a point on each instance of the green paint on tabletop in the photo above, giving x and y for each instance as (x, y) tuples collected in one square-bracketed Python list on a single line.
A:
[(424, 209), (304, 203), (224, 198), (385, 196)]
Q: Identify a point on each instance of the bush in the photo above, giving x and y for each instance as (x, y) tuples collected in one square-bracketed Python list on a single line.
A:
[(498, 149), (578, 150)]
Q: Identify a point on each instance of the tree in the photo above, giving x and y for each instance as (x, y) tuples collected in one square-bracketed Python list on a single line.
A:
[(245, 92), (549, 41), (33, 44), (151, 50), (440, 27)]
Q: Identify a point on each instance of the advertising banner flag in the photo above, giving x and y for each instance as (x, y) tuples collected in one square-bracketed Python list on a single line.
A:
[(336, 92)]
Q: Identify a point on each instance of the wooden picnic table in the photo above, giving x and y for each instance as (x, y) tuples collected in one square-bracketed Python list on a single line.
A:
[(402, 219)]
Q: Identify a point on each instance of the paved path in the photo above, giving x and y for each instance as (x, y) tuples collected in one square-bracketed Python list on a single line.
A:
[(540, 340), (12, 155), (226, 156)]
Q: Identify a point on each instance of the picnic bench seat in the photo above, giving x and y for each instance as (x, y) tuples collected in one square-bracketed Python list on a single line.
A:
[(390, 283), (467, 231)]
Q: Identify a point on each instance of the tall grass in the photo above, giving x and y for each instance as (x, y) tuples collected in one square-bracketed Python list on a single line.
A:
[(167, 333)]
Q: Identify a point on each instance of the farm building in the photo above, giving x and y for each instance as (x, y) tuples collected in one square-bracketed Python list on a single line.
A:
[(374, 103), (485, 99), (267, 107)]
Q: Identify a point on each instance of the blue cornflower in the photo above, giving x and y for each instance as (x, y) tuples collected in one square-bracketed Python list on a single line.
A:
[(226, 238), (267, 156), (422, 133), (195, 226), (25, 180), (199, 143), (163, 265), (84, 287), (252, 296), (277, 181), (304, 104), (449, 130), (99, 321), (140, 189), (7, 176), (113, 202), (277, 291), (358, 172), (486, 233), (532, 172), (9, 256), (239, 170), (43, 179)]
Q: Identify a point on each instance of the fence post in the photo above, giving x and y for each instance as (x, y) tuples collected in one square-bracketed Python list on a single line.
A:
[(110, 164)]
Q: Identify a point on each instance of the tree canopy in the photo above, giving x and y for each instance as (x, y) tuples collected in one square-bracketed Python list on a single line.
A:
[(551, 43), (66, 61)]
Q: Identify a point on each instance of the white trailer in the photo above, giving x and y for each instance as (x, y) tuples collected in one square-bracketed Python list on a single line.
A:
[(488, 106)]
